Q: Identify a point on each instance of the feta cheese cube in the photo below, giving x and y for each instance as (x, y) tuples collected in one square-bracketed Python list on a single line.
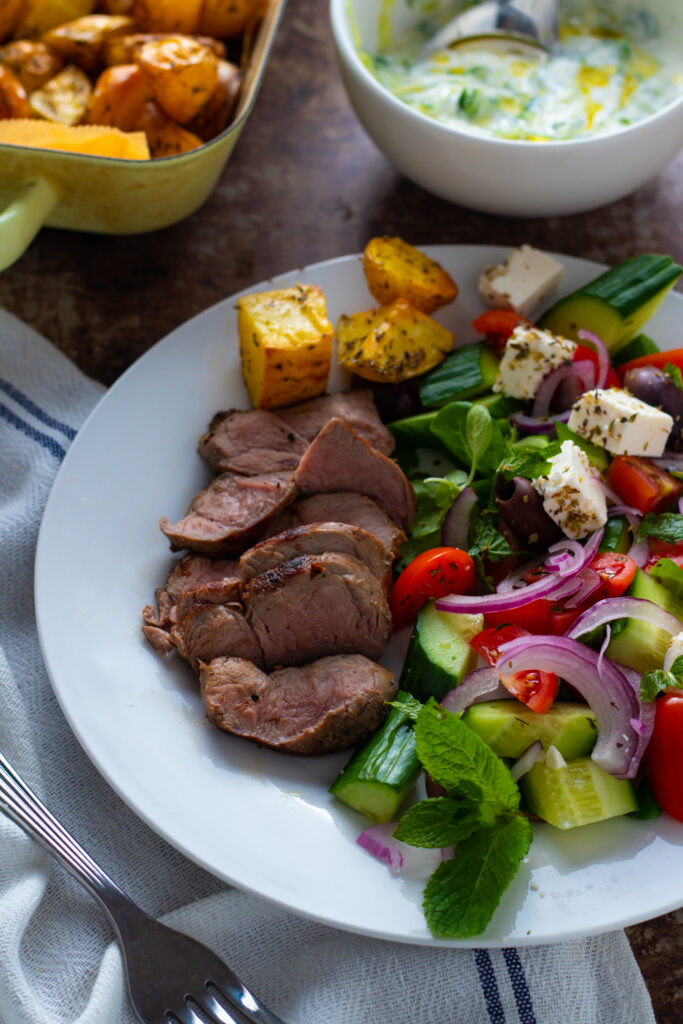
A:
[(572, 496), (620, 422), (673, 651), (530, 354), (523, 282)]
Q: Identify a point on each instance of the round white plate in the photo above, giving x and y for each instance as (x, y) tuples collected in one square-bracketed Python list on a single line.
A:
[(261, 820)]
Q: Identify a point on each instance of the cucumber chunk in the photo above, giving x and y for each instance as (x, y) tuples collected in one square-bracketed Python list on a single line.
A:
[(465, 373), (415, 429), (509, 727), (642, 345), (377, 779), (578, 793), (617, 304), (640, 645), (439, 655), (616, 536)]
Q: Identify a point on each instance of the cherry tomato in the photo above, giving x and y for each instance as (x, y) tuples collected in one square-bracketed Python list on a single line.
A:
[(498, 325), (536, 689), (583, 352), (660, 549), (434, 573), (616, 572), (657, 359), (664, 755), (642, 484)]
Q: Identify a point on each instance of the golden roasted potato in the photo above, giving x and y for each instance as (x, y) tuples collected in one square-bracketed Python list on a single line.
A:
[(121, 49), (285, 345), (32, 62), (396, 270), (227, 18), (9, 16), (215, 114), (13, 99), (164, 136), (182, 73), (392, 343), (64, 98), (39, 16), (82, 41), (119, 97), (168, 15)]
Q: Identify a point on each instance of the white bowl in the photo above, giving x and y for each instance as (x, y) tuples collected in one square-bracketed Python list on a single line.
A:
[(511, 177)]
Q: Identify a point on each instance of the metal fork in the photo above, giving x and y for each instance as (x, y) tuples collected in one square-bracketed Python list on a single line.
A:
[(171, 977)]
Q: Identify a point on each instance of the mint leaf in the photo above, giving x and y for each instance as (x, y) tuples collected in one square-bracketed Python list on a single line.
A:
[(435, 495), (529, 462), (410, 706), (462, 763), (437, 822), (478, 434), (450, 427), (463, 893), (657, 680), (485, 539), (675, 374), (667, 526)]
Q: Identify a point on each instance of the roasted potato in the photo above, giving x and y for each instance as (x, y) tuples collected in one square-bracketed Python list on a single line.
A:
[(65, 98), (33, 63), (396, 270), (121, 49), (82, 41), (39, 16), (392, 343), (168, 15), (182, 73), (9, 16), (164, 136), (13, 99), (215, 114), (227, 18), (285, 345), (119, 97)]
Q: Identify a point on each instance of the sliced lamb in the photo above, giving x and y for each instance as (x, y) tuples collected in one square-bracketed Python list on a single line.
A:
[(316, 539), (209, 630), (251, 442), (348, 507), (189, 573), (339, 459), (315, 605), (328, 705), (355, 408), (231, 513)]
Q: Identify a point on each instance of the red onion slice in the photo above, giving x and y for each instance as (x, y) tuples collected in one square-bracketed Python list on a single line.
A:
[(526, 762), (602, 353), (401, 858), (480, 685), (590, 582), (456, 524), (672, 461), (640, 552), (582, 371), (611, 696), (532, 425), (612, 608)]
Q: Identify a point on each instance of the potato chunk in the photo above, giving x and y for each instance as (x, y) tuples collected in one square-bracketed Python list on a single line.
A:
[(32, 62), (182, 73), (215, 114), (82, 41), (119, 97), (64, 98), (285, 344), (168, 15), (396, 270), (13, 100), (39, 16), (227, 18), (164, 136), (392, 343), (121, 49), (9, 15)]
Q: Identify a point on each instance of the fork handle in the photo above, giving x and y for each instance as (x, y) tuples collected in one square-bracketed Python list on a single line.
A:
[(21, 804)]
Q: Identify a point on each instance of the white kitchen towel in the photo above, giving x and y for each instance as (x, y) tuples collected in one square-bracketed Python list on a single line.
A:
[(58, 961)]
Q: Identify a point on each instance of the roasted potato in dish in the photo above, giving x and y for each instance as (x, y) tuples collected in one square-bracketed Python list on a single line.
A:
[(285, 344), (227, 18), (182, 74), (165, 137), (392, 343), (64, 98), (13, 99), (121, 49), (396, 270), (39, 16), (119, 97), (215, 114), (32, 62), (9, 15), (168, 15), (82, 41)]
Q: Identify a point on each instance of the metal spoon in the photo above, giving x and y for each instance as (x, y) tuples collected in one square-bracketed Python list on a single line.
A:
[(531, 24)]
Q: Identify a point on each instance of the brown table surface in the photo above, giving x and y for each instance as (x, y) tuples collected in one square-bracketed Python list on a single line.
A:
[(306, 184)]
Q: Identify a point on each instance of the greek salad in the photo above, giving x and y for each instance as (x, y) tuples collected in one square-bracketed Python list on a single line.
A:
[(540, 587)]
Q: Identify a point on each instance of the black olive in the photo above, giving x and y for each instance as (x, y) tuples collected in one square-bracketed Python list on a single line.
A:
[(393, 401), (658, 389), (521, 509)]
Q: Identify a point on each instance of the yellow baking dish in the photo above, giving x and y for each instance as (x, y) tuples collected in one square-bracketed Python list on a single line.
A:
[(113, 196)]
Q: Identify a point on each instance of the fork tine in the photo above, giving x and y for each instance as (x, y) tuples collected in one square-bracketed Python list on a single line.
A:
[(217, 1009), (241, 998)]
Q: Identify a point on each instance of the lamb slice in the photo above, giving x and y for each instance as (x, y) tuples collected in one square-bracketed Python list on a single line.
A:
[(316, 605), (188, 573), (251, 442), (356, 409), (328, 705), (316, 539), (209, 630), (352, 508), (229, 515), (339, 459)]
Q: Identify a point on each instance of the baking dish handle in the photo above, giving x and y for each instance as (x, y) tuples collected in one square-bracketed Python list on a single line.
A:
[(21, 221)]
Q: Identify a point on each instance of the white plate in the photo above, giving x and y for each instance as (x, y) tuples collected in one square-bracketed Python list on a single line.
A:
[(261, 820)]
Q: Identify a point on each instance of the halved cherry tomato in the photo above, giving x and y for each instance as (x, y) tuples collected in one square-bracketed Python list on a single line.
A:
[(664, 755), (642, 484), (616, 572), (498, 325), (535, 689), (657, 359), (583, 352), (434, 573)]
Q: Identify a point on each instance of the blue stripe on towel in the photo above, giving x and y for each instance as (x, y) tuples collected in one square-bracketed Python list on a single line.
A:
[(21, 399), (489, 986), (36, 435), (520, 987)]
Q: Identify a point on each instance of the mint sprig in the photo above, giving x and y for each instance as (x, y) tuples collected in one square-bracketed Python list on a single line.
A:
[(657, 680)]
